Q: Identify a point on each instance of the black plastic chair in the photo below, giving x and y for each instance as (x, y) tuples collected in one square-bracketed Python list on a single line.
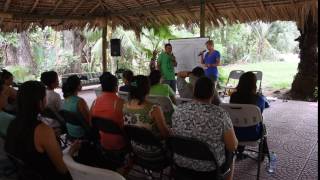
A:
[(47, 112), (116, 157), (157, 161), (194, 149), (23, 170), (77, 120)]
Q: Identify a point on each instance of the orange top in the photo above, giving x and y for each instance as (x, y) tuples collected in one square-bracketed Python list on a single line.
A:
[(105, 107)]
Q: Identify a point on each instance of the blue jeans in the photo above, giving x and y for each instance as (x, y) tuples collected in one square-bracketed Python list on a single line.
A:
[(172, 84)]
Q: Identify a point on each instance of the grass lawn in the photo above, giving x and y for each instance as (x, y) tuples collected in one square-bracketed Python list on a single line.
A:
[(276, 75)]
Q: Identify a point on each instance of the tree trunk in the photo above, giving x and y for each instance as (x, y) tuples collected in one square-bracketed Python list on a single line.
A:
[(305, 82), (24, 53), (10, 55)]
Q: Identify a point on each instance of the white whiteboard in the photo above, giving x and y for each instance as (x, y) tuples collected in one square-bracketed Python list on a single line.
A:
[(186, 52)]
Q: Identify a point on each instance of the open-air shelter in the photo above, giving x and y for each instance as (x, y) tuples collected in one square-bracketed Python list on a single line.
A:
[(19, 15)]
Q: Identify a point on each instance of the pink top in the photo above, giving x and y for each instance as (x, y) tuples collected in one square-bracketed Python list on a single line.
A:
[(105, 107)]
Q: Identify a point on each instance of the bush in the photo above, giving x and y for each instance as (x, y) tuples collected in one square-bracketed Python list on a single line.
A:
[(20, 73)]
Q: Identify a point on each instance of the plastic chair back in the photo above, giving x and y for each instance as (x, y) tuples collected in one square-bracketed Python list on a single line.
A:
[(106, 126), (191, 148), (243, 115), (164, 102), (141, 135), (82, 172)]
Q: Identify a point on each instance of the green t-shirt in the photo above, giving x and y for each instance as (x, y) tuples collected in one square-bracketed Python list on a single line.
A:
[(5, 120), (166, 66), (161, 90)]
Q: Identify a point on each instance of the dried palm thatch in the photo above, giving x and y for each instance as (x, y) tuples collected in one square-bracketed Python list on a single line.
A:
[(19, 15)]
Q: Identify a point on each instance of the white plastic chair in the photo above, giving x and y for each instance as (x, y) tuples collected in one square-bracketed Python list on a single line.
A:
[(232, 81), (82, 172), (166, 105), (246, 115), (182, 100), (259, 79)]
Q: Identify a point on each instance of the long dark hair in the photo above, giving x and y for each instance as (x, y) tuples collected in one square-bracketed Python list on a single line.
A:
[(155, 77), (5, 75), (71, 86), (109, 82), (29, 96), (246, 89), (139, 89), (203, 88)]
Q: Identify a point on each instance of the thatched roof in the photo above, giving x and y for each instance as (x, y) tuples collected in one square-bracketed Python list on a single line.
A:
[(19, 15)]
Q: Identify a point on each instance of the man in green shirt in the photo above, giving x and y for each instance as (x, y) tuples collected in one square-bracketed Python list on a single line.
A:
[(166, 63)]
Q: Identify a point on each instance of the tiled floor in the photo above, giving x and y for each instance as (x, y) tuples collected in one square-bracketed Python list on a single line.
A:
[(292, 134)]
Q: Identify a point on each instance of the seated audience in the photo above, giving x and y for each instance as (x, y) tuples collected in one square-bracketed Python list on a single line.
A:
[(127, 77), (246, 93), (74, 103), (160, 89), (51, 80), (140, 112), (9, 92), (30, 140), (108, 105), (185, 88), (5, 118), (208, 123)]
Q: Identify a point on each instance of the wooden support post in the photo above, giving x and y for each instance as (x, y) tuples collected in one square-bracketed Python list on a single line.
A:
[(104, 48), (202, 18)]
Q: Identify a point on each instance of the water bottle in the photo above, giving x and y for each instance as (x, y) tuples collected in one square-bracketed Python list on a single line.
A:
[(272, 163)]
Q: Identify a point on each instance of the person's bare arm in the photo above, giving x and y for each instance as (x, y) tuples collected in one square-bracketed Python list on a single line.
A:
[(183, 74), (159, 118), (46, 141), (84, 110), (230, 140)]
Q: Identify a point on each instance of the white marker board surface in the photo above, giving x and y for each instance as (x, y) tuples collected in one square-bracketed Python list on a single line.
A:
[(186, 52)]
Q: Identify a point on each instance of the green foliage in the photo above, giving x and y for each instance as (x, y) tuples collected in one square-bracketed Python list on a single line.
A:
[(20, 73)]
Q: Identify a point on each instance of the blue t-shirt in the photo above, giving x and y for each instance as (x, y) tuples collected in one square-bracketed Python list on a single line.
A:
[(212, 59)]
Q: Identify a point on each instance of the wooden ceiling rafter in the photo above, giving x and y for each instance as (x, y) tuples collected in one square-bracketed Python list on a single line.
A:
[(35, 4), (56, 7), (5, 9)]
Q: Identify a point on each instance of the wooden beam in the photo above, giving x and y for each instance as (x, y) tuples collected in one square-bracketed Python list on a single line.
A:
[(94, 8), (104, 48), (202, 18), (5, 9), (56, 7), (5, 15), (77, 7), (35, 4)]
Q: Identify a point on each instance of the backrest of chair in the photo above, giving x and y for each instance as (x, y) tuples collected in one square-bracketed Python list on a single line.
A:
[(56, 116), (106, 125), (191, 148), (182, 100), (82, 172), (164, 102), (258, 75), (71, 117), (141, 135), (235, 74), (123, 95), (243, 115)]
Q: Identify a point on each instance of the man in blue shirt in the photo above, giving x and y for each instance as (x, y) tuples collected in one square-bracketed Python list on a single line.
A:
[(211, 61)]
